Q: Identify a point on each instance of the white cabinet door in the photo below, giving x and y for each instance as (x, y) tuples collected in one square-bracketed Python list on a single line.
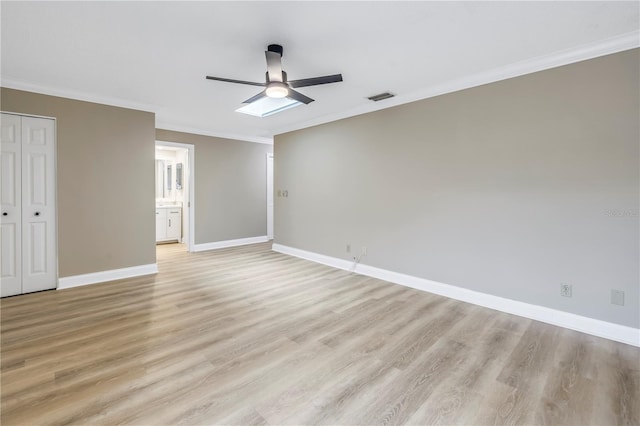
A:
[(11, 198), (28, 230), (168, 224), (174, 224), (39, 266), (161, 224)]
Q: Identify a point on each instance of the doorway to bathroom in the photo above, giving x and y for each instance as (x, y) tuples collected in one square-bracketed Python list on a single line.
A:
[(174, 171)]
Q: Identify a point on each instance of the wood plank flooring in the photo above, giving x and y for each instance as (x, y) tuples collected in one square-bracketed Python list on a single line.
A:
[(248, 336)]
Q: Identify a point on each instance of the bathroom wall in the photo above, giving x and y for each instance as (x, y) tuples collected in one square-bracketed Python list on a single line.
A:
[(172, 157)]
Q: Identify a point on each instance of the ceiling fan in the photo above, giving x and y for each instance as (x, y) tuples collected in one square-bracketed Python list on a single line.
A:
[(276, 84)]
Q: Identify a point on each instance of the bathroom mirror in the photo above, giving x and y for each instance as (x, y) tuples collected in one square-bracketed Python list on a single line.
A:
[(169, 178), (160, 179), (179, 176)]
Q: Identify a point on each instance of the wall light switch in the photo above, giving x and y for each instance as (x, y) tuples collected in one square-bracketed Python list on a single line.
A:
[(617, 297)]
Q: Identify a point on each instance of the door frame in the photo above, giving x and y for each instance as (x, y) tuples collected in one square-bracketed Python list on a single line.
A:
[(191, 203), (270, 208)]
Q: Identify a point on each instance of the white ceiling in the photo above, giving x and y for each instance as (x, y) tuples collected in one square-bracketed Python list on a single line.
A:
[(155, 55)]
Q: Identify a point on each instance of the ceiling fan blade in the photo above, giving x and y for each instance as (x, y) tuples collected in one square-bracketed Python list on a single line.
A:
[(274, 65), (299, 97), (316, 81), (229, 80), (255, 98)]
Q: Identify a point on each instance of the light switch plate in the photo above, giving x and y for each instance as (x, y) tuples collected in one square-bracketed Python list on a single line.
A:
[(617, 297)]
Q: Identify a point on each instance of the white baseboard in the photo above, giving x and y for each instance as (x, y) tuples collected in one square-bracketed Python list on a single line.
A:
[(230, 243), (607, 330), (103, 276)]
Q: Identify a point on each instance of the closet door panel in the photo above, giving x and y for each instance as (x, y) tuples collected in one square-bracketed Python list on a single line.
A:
[(11, 200), (39, 266)]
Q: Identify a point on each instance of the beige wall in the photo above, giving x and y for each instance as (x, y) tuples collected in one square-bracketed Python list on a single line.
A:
[(508, 189), (230, 186), (105, 181)]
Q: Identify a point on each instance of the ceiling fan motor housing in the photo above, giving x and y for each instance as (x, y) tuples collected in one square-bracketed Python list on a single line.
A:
[(284, 77), (275, 48)]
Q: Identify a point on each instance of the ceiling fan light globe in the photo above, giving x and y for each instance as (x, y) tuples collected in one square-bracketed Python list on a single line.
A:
[(277, 90)]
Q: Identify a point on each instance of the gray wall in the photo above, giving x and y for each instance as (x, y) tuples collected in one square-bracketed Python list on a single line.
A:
[(230, 184), (507, 189), (105, 181)]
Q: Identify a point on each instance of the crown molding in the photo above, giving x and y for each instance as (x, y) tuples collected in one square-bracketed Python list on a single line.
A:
[(13, 83), (584, 52), (162, 125)]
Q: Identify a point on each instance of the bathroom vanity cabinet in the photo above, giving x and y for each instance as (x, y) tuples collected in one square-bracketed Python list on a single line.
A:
[(168, 224)]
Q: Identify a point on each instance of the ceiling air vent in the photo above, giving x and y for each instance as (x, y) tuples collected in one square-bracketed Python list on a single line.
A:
[(381, 96)]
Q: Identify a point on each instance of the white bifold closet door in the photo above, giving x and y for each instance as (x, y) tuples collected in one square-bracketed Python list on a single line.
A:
[(27, 192)]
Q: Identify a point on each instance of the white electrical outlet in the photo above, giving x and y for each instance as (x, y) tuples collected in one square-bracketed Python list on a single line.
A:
[(348, 248), (565, 290), (364, 250)]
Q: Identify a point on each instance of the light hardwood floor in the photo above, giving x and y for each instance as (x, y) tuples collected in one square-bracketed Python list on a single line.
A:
[(249, 336)]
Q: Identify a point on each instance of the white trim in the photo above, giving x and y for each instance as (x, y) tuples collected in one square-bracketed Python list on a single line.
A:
[(596, 49), (161, 125), (230, 243), (584, 52), (103, 276), (28, 115), (17, 84), (270, 209), (607, 330), (191, 207)]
